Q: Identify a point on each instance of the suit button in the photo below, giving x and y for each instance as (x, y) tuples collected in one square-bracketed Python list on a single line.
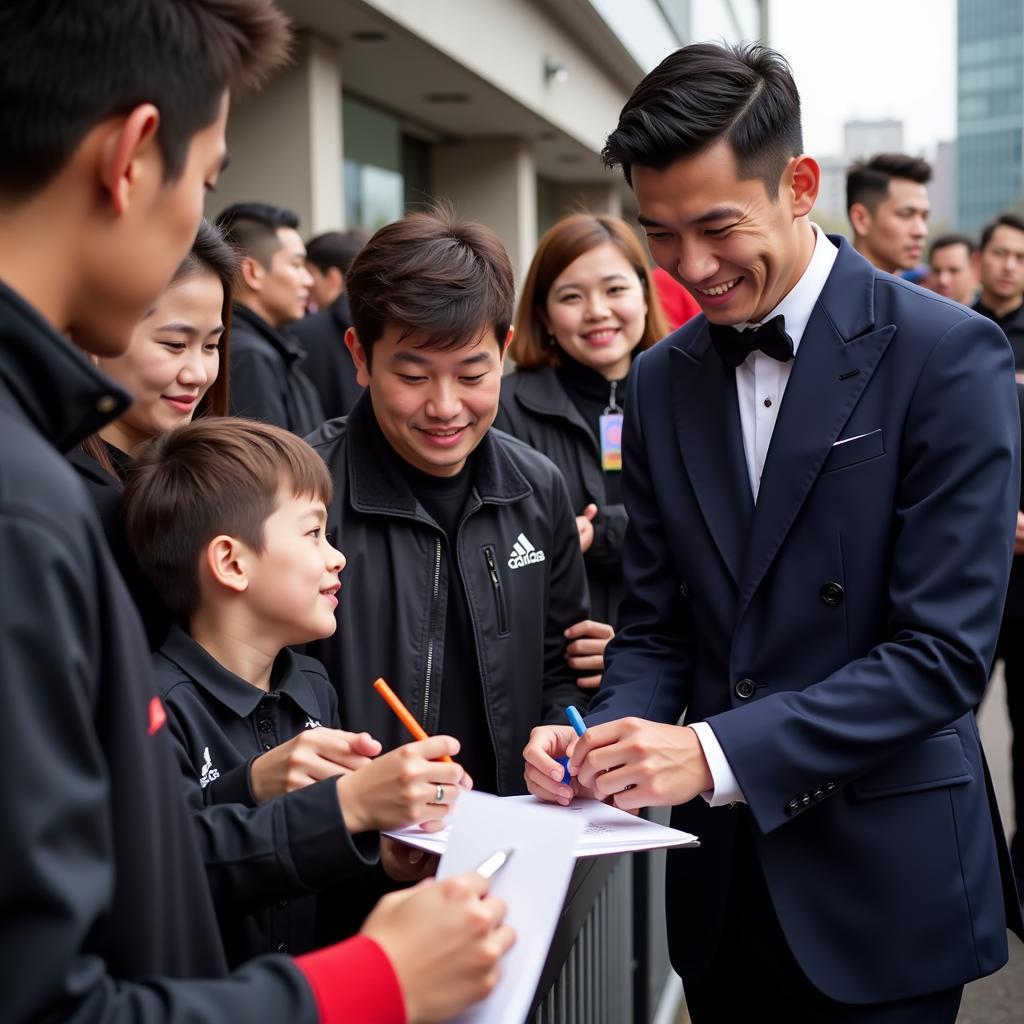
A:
[(830, 787), (819, 794), (282, 947), (745, 689), (805, 800), (831, 594), (792, 807), (264, 725)]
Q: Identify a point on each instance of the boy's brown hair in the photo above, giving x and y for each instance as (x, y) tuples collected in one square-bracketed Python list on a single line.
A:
[(435, 276), (215, 476)]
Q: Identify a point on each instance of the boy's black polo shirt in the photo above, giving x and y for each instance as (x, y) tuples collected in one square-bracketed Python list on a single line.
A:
[(265, 861)]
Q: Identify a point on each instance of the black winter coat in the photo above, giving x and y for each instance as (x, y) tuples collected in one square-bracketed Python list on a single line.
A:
[(105, 914), (267, 378), (536, 408), (522, 572), (328, 362)]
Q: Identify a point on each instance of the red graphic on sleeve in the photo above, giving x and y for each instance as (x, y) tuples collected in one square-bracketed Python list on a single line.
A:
[(157, 715)]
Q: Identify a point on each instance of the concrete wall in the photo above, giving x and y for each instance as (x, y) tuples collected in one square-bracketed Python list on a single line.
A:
[(285, 141)]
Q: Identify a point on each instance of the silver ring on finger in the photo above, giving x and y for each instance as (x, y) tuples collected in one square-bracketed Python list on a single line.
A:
[(438, 794)]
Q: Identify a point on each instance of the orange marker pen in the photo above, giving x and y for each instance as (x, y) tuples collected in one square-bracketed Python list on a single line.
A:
[(404, 714)]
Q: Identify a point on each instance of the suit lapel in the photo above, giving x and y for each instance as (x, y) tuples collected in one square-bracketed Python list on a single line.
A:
[(710, 438), (837, 356)]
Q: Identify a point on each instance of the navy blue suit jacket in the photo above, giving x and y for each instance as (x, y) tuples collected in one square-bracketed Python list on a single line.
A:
[(836, 636)]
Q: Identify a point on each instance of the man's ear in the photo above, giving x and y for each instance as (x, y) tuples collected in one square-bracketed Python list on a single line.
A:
[(358, 353), (508, 341), (252, 272), (860, 219), (804, 182), (976, 264), (129, 152), (226, 563), (336, 279)]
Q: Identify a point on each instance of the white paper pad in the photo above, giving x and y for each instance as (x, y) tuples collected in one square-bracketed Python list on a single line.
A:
[(533, 884), (606, 829)]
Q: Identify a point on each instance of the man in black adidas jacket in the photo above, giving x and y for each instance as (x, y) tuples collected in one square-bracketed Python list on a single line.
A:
[(464, 566), (105, 912)]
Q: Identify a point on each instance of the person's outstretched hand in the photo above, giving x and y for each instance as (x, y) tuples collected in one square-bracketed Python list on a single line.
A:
[(445, 941)]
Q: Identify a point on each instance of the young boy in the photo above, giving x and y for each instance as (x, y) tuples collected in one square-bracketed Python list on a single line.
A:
[(227, 518)]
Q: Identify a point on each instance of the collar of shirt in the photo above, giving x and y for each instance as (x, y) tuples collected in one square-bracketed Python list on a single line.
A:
[(799, 303), (230, 690)]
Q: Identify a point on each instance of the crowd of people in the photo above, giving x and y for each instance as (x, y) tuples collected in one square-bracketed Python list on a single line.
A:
[(243, 475)]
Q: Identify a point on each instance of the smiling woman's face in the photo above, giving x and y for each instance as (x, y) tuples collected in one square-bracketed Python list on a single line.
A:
[(596, 310), (173, 359)]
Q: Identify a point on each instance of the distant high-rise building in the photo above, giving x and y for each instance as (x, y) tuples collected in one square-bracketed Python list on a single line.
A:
[(863, 139), (942, 189), (831, 203), (990, 108)]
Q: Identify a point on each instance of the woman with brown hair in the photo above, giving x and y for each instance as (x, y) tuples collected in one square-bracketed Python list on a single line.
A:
[(588, 306), (176, 369)]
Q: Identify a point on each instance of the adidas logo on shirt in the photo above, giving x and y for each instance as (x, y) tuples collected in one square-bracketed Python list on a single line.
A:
[(208, 773), (524, 553)]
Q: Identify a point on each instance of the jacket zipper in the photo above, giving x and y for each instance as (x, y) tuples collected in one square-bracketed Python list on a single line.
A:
[(499, 593), (433, 620)]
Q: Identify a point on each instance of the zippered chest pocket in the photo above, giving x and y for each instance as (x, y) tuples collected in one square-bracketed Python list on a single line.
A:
[(498, 590)]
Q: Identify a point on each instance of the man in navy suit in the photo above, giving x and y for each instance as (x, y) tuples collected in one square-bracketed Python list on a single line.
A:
[(822, 479)]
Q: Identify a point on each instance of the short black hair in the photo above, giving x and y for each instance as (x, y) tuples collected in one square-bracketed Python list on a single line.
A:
[(945, 241), (252, 228), (867, 181), (434, 275), (703, 93), (1004, 220), (66, 65), (336, 249)]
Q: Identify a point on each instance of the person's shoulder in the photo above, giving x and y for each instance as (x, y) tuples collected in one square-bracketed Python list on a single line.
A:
[(909, 305), (329, 437), (314, 671), (174, 684), (36, 482), (535, 466), (313, 325)]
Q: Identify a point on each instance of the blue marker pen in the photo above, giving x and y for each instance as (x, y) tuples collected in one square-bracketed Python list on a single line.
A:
[(576, 721)]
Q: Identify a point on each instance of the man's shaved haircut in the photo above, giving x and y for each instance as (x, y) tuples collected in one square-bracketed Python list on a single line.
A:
[(867, 181), (252, 229), (701, 94)]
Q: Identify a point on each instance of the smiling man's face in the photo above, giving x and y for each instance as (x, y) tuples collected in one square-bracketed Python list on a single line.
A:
[(737, 250), (434, 406)]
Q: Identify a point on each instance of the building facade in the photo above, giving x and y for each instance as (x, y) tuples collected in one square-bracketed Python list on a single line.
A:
[(499, 107), (990, 109)]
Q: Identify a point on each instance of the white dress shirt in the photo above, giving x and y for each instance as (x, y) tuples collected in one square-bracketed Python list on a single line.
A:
[(760, 386)]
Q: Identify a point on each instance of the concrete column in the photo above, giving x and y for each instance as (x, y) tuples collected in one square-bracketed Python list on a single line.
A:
[(285, 142), (493, 181)]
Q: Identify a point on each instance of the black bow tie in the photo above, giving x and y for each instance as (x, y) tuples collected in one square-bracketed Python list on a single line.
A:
[(770, 338)]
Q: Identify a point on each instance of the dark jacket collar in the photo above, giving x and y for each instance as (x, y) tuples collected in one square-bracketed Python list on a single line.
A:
[(376, 482), (542, 392), (60, 391), (282, 342), (233, 692)]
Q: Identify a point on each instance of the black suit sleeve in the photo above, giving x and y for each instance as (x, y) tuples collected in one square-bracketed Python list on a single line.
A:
[(56, 859), (293, 845)]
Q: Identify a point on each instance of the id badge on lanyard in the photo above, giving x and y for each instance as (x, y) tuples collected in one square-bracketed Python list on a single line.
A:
[(611, 435)]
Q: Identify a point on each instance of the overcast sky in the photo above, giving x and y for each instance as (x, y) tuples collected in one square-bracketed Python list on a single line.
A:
[(865, 59)]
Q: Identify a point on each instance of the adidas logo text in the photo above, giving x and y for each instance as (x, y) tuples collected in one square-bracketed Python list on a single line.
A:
[(524, 553)]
